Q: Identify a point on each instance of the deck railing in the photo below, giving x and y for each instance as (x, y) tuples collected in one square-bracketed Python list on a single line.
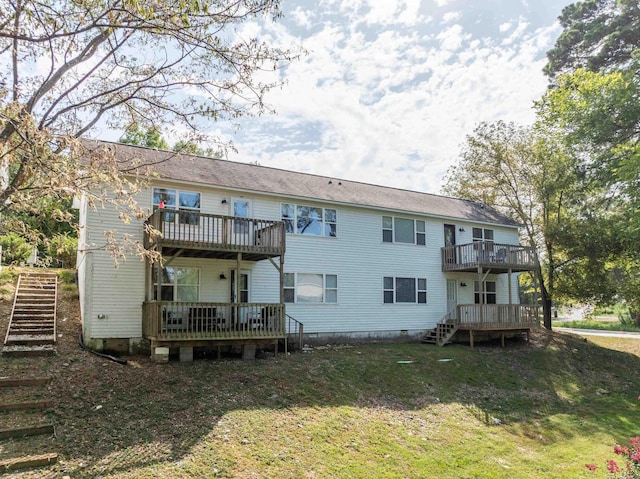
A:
[(488, 254), (164, 320), (206, 230), (496, 316)]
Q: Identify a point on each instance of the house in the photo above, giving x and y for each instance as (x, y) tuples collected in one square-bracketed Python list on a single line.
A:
[(254, 255)]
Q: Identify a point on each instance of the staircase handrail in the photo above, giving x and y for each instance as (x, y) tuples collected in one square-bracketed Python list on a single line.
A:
[(298, 328), (13, 308)]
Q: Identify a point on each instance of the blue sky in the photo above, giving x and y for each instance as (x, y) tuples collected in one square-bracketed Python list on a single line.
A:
[(389, 90)]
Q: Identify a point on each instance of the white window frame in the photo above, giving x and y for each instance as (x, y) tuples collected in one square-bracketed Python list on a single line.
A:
[(419, 230), (175, 284), (326, 225), (420, 289), (325, 287), (177, 206), (482, 234), (485, 293)]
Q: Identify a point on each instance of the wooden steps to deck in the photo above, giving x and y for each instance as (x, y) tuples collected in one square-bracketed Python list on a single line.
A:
[(32, 326), (19, 401), (441, 334)]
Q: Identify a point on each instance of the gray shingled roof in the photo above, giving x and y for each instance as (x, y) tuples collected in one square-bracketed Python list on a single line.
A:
[(248, 177)]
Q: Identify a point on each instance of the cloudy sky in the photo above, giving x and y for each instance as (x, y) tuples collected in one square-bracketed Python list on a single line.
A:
[(389, 89)]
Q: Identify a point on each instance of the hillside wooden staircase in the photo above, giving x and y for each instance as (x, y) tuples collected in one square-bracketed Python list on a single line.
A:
[(441, 334), (32, 327)]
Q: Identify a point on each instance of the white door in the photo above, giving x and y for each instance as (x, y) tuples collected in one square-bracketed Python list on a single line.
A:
[(240, 294), (241, 229), (452, 296)]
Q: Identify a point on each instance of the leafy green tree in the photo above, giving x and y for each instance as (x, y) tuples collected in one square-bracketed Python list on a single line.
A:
[(524, 174), (72, 66), (598, 35), (151, 138), (598, 117)]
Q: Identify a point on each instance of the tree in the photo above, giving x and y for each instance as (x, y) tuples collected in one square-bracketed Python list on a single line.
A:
[(598, 35), (70, 67), (192, 148), (598, 117), (526, 175), (151, 138)]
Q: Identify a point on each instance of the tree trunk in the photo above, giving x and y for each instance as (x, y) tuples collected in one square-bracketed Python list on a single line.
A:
[(635, 316), (546, 307), (545, 298)]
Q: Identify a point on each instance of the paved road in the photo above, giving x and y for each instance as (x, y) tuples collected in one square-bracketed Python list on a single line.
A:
[(596, 332)]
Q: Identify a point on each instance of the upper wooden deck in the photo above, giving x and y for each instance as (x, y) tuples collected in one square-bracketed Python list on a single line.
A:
[(194, 234), (500, 258)]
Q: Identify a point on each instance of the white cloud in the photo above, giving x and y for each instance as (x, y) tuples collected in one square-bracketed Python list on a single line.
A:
[(449, 17), (385, 104)]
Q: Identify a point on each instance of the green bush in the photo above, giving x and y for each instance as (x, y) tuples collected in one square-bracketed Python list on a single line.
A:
[(62, 249), (8, 275), (15, 249), (68, 276)]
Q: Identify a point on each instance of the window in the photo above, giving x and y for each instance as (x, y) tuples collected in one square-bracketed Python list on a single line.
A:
[(177, 284), (241, 209), (404, 290), (488, 293), (309, 220), (289, 288), (310, 288), (403, 230), (186, 201), (480, 234)]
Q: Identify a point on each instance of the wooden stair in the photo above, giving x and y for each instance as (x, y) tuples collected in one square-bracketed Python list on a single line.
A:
[(11, 434), (32, 326), (441, 334)]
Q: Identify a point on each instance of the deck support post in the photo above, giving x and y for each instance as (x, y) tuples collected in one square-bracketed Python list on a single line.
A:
[(236, 289), (481, 297), (471, 338), (159, 277), (186, 354)]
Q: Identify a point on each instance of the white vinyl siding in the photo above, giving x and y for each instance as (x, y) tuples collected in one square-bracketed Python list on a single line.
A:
[(113, 295), (352, 264)]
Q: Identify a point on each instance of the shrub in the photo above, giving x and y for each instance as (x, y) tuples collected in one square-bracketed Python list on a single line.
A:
[(62, 248), (68, 276), (15, 249)]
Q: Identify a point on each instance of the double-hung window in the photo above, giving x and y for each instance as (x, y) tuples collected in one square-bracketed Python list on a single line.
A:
[(488, 292), (309, 220), (177, 284), (310, 288), (187, 202), (480, 234), (404, 290), (403, 230)]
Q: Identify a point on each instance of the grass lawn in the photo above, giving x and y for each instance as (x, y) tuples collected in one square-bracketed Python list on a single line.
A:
[(534, 410), (603, 324)]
